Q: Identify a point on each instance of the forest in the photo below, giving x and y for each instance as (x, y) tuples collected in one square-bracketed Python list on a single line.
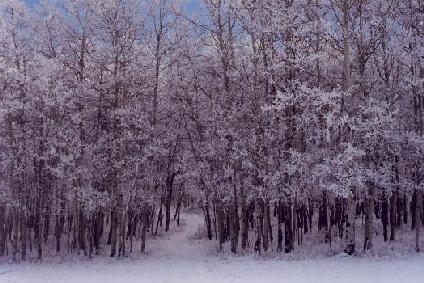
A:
[(278, 121)]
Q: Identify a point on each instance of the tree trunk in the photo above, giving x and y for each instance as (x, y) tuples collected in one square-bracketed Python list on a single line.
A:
[(2, 230), (405, 210), (393, 218), (15, 230), (232, 230), (244, 216), (236, 218), (90, 235), (81, 232), (350, 225), (39, 228), (265, 228), (418, 211), (145, 217), (385, 215), (220, 223), (169, 186), (23, 234), (280, 211), (208, 219), (113, 232), (177, 210), (369, 212), (259, 224), (121, 221), (288, 228), (160, 215)]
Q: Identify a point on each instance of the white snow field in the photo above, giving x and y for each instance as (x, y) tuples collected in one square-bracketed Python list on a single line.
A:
[(179, 257)]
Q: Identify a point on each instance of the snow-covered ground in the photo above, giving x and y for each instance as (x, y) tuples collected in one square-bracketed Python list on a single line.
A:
[(180, 257)]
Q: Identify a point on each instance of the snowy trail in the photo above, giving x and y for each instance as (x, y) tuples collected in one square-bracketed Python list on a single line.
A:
[(177, 258), (178, 244)]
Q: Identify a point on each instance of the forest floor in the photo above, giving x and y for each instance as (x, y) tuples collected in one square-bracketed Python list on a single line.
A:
[(182, 256)]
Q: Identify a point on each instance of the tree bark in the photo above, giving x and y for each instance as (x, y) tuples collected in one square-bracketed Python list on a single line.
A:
[(244, 216), (369, 212), (288, 228), (393, 218), (259, 224), (145, 217), (2, 230), (23, 234), (169, 187), (350, 225), (384, 215), (113, 232), (220, 223), (265, 228), (418, 205), (208, 220), (280, 211), (15, 230)]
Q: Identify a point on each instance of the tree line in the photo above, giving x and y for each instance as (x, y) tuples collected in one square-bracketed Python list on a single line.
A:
[(278, 117)]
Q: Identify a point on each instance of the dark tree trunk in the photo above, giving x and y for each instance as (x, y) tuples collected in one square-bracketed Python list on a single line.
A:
[(244, 217), (2, 230), (369, 211), (413, 209), (280, 212), (220, 223), (39, 228), (384, 215), (236, 221), (160, 215), (259, 224), (266, 224), (24, 234), (113, 232), (15, 229), (208, 220), (405, 210), (288, 228), (418, 222), (393, 218), (145, 217), (168, 198), (81, 231)]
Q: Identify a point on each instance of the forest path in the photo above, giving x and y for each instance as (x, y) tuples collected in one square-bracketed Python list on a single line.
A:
[(180, 241)]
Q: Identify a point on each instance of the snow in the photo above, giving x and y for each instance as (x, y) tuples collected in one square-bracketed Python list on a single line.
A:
[(181, 256)]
